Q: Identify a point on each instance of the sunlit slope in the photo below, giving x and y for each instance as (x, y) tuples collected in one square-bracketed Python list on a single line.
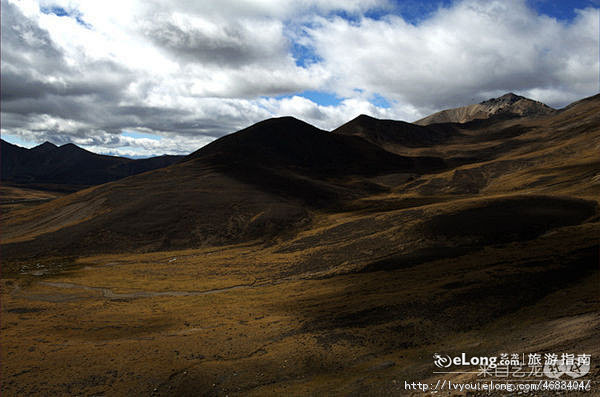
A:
[(508, 105)]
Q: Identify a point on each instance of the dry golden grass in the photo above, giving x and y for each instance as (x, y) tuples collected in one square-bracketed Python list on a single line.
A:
[(14, 198), (292, 335)]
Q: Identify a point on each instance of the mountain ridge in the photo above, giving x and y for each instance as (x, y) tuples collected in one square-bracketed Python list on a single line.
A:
[(250, 185), (508, 104), (291, 143), (70, 165), (393, 134)]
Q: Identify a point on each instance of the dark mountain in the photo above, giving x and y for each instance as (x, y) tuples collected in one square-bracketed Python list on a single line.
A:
[(44, 147), (70, 165), (288, 143), (392, 134), (296, 160), (507, 105)]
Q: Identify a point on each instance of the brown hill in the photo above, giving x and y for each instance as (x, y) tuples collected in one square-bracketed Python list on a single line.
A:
[(269, 178), (508, 105), (395, 135)]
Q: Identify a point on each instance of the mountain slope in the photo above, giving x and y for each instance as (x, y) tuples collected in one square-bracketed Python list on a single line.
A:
[(293, 159), (555, 154), (392, 134), (506, 105), (253, 184), (293, 144), (70, 165), (269, 180)]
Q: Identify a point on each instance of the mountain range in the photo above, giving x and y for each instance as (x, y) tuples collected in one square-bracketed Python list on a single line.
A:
[(69, 166), (269, 178)]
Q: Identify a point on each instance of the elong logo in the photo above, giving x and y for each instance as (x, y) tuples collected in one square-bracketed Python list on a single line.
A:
[(445, 361)]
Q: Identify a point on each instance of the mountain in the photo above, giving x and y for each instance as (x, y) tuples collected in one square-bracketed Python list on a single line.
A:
[(266, 181), (288, 143), (44, 147), (70, 165), (508, 105), (391, 134)]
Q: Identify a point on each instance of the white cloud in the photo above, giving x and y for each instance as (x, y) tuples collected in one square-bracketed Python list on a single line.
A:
[(332, 116), (461, 54)]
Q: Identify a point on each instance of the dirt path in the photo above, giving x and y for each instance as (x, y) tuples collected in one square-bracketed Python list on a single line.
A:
[(110, 294)]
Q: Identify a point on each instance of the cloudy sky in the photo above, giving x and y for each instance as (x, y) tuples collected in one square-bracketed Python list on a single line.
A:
[(140, 78)]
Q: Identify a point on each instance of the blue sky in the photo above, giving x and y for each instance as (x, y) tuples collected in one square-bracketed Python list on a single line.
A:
[(562, 10), (170, 76)]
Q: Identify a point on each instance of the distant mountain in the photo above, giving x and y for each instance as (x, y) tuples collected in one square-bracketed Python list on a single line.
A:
[(290, 158), (391, 134), (506, 105), (70, 165)]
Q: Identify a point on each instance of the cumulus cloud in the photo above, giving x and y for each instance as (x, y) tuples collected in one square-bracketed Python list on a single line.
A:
[(332, 116), (470, 51), (187, 72)]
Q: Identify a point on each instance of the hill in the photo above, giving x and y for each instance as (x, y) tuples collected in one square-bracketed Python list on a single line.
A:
[(295, 145), (508, 105), (69, 165), (395, 135)]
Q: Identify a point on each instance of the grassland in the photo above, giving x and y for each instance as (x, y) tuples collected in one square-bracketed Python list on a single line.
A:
[(15, 197), (328, 312)]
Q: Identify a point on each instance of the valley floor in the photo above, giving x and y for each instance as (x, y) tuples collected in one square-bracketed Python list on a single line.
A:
[(276, 320)]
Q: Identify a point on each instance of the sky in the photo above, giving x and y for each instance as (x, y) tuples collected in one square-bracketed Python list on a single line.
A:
[(152, 77)]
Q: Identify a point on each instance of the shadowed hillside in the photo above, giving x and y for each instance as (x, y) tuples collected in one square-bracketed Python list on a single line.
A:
[(295, 145), (392, 134), (253, 184), (269, 179)]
